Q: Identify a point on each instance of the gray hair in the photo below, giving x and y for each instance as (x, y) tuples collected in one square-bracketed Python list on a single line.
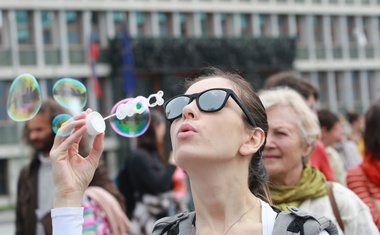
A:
[(307, 121)]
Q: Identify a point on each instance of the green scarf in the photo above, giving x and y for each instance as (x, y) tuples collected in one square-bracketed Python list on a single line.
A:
[(311, 185)]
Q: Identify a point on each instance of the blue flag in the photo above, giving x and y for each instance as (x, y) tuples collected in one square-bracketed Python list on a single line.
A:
[(127, 58)]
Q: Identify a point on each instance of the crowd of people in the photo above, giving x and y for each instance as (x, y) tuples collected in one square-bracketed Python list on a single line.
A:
[(247, 155)]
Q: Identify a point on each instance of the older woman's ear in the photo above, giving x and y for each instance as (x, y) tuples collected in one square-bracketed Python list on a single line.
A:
[(253, 143)]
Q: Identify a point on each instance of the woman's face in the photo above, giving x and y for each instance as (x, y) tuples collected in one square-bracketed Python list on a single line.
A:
[(207, 136), (285, 147)]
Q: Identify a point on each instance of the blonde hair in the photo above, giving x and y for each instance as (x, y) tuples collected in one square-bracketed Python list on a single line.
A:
[(306, 120)]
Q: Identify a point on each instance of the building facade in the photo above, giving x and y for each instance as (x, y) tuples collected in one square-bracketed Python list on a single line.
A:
[(338, 49)]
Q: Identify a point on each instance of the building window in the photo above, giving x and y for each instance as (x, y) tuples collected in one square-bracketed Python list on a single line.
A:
[(3, 177), (47, 18), (95, 28), (283, 26), (318, 29), (3, 101), (205, 26), (24, 27), (1, 28), (226, 24), (140, 22), (245, 24), (165, 24), (185, 24), (264, 25), (74, 27), (118, 18)]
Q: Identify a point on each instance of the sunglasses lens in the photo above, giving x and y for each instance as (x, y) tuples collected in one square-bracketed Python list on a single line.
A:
[(212, 100), (174, 108)]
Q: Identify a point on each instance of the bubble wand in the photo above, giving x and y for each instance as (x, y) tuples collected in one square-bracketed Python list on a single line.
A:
[(95, 123)]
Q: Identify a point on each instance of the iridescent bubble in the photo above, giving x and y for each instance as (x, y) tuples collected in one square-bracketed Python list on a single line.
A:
[(71, 94), (134, 125), (57, 123), (24, 98)]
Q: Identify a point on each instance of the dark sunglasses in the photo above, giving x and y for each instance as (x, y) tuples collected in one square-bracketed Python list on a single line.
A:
[(211, 100)]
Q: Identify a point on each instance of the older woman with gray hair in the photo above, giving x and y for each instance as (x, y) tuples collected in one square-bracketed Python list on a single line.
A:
[(293, 131)]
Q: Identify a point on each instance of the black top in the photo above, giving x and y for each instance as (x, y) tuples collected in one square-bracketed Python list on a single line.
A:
[(144, 173)]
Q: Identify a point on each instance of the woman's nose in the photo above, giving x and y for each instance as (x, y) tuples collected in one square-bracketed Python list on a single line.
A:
[(191, 110)]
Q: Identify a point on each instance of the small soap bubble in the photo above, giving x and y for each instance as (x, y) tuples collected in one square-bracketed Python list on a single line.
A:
[(71, 94), (57, 123), (24, 98), (131, 126)]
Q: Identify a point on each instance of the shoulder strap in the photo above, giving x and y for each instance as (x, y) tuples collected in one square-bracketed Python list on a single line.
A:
[(173, 225), (300, 222), (330, 193)]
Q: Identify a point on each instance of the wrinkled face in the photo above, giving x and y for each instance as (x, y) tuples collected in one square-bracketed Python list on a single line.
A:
[(285, 147), (207, 136), (41, 136), (334, 135)]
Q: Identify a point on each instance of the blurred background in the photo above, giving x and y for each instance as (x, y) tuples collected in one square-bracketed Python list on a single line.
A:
[(126, 48)]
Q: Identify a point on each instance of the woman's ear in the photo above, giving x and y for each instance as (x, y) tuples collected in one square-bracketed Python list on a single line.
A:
[(253, 143), (307, 150)]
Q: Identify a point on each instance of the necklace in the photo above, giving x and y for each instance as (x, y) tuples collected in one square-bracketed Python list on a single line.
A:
[(242, 215)]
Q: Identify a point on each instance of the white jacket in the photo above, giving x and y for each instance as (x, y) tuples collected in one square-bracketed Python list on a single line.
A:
[(355, 214)]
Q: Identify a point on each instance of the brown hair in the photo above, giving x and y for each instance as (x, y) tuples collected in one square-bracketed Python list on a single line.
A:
[(372, 131), (258, 178), (148, 140), (291, 80), (52, 109)]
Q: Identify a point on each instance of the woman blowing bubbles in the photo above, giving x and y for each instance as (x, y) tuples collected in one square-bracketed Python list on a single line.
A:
[(218, 129)]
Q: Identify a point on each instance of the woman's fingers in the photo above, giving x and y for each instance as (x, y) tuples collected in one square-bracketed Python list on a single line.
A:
[(97, 150)]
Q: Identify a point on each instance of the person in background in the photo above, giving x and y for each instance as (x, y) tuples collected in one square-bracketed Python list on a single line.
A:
[(318, 157), (218, 131), (364, 179), (35, 183), (150, 177), (332, 132), (356, 122), (293, 131)]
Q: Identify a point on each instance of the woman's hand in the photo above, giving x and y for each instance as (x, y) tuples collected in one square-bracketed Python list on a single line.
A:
[(72, 173)]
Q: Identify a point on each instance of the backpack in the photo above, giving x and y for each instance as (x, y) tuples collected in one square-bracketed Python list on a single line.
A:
[(294, 222)]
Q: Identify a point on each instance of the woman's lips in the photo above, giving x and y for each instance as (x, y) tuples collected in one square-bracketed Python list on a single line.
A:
[(186, 130)]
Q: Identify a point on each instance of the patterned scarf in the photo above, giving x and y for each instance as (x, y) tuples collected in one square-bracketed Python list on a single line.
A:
[(311, 185), (371, 168)]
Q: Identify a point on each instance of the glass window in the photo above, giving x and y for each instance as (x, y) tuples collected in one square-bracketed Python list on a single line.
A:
[(226, 23), (1, 27), (264, 25), (24, 28), (47, 26), (3, 177), (283, 26), (140, 21), (73, 27), (245, 24), (162, 24), (204, 24), (118, 18), (95, 26), (318, 29), (3, 101), (351, 29), (185, 24)]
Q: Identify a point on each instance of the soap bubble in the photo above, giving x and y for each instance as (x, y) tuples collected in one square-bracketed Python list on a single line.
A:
[(71, 94), (24, 98), (131, 126), (57, 123)]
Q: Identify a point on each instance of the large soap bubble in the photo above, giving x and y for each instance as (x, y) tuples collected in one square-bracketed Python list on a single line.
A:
[(24, 98), (130, 125), (71, 94)]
